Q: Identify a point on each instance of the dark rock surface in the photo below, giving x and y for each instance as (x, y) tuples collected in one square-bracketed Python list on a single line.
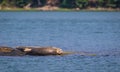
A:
[(8, 51)]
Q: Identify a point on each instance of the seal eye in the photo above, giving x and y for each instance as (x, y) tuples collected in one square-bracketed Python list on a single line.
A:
[(27, 49)]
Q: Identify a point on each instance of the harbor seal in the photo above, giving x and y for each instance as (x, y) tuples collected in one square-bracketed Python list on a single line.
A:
[(41, 51)]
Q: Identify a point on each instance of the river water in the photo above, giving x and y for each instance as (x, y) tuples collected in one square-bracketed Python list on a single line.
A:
[(97, 32)]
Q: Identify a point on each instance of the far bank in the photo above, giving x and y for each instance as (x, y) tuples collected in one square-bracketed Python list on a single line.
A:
[(61, 9)]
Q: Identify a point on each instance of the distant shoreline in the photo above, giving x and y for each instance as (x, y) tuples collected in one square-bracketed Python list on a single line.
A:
[(63, 9)]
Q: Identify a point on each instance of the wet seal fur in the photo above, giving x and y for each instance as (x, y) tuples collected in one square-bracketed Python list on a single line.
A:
[(40, 51)]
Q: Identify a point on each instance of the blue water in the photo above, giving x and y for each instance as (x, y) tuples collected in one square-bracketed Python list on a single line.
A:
[(71, 31)]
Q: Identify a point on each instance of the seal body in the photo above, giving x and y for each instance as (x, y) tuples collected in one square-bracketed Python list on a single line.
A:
[(41, 51)]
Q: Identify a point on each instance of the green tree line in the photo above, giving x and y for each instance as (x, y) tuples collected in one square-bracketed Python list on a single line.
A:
[(61, 3)]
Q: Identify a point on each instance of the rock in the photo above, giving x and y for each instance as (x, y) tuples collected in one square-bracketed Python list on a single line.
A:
[(41, 51), (44, 51), (5, 49), (8, 51)]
